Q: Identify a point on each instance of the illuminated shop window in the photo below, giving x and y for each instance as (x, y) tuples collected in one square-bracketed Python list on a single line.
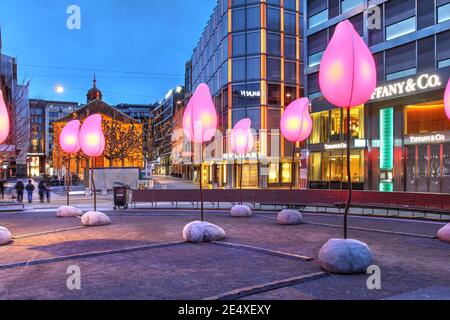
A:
[(426, 118), (332, 166), (321, 127), (274, 174), (286, 171)]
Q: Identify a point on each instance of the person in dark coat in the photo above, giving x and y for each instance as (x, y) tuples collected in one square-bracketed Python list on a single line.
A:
[(20, 187), (42, 190), (2, 188), (30, 189)]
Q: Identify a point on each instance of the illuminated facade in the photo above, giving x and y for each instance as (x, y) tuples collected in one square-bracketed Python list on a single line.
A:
[(401, 137), (250, 56)]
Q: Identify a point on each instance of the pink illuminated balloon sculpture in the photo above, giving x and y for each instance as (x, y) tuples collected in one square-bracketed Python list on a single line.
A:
[(200, 124), (447, 100), (69, 140), (347, 79), (92, 142), (241, 140), (296, 126), (4, 119)]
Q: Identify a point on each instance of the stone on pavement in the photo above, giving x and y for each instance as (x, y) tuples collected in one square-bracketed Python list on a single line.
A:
[(345, 256), (289, 217), (198, 231), (95, 218), (444, 233), (241, 211), (68, 212), (5, 236)]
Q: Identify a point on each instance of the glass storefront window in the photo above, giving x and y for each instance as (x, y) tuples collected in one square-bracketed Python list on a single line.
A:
[(332, 166), (426, 118), (274, 174), (336, 125), (286, 171), (356, 122), (321, 127)]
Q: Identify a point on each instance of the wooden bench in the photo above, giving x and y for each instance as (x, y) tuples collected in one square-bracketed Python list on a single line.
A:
[(397, 201)]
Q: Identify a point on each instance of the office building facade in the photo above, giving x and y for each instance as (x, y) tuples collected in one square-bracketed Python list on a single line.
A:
[(401, 137), (250, 55)]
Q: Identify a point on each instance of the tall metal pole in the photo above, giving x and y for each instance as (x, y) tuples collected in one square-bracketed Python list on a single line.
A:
[(350, 187), (68, 181), (93, 184), (201, 183), (240, 181), (292, 174)]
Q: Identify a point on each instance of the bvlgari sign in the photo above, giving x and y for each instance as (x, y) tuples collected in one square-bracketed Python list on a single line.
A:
[(420, 83)]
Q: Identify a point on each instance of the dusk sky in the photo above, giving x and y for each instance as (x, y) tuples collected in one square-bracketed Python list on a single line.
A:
[(148, 41)]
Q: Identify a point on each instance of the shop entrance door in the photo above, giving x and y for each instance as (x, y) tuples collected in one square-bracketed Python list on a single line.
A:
[(424, 168)]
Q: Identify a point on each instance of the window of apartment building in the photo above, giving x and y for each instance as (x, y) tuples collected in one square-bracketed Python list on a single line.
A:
[(425, 13), (426, 54), (347, 5), (290, 5), (253, 68), (238, 20), (313, 83), (290, 48), (317, 44), (274, 94), (238, 96), (443, 12), (401, 61), (273, 44), (443, 49), (274, 2), (274, 69), (253, 17), (238, 70), (273, 19), (253, 42), (290, 94), (358, 23), (379, 63), (400, 18), (317, 12), (255, 116), (333, 8), (290, 25), (238, 44), (290, 72)]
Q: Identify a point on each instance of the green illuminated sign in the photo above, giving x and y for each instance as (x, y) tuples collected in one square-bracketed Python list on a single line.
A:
[(387, 139)]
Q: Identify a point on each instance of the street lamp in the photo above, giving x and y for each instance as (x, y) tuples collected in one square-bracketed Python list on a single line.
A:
[(59, 89), (92, 142), (241, 140), (199, 126), (347, 79), (69, 141), (296, 126)]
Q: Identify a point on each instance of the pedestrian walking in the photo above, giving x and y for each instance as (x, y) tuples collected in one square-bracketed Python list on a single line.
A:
[(20, 187), (30, 189), (42, 189), (2, 188), (48, 191)]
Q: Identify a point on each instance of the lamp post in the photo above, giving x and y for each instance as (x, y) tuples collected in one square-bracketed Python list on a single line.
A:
[(199, 126), (92, 142), (296, 126), (241, 140), (347, 79), (69, 141)]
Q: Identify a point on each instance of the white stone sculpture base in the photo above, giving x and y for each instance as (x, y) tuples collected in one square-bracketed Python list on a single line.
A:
[(345, 256), (198, 231), (241, 211), (68, 212), (95, 218), (289, 217), (5, 236), (444, 233)]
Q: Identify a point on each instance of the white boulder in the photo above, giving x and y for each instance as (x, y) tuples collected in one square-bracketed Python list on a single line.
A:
[(95, 218), (68, 212), (5, 236), (289, 217), (198, 231), (444, 233), (240, 211), (345, 256)]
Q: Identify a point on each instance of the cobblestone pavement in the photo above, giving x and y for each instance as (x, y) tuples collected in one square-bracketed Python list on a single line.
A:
[(141, 256)]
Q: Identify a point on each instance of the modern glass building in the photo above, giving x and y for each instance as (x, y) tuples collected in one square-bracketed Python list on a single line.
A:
[(250, 55), (401, 137)]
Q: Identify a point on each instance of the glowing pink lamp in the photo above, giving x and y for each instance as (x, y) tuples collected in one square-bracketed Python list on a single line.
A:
[(296, 126), (4, 120), (447, 100), (347, 79), (69, 140), (200, 124), (92, 142), (241, 140)]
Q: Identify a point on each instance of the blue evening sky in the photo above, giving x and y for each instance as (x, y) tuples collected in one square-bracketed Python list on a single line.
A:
[(151, 37)]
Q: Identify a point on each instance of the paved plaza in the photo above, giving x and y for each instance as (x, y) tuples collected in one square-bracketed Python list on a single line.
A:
[(141, 255)]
